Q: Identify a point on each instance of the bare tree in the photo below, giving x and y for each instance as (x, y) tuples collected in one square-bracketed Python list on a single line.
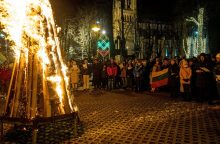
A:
[(78, 29)]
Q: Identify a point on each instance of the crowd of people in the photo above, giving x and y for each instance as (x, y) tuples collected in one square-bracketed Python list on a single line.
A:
[(197, 78), (192, 79)]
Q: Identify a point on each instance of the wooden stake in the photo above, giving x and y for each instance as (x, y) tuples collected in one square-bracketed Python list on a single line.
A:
[(10, 86), (29, 85), (18, 87), (34, 87), (47, 106)]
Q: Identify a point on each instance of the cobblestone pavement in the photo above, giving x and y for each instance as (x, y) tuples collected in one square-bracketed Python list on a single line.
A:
[(130, 118), (127, 117)]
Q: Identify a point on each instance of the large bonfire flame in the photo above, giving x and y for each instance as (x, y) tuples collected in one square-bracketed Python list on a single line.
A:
[(39, 84)]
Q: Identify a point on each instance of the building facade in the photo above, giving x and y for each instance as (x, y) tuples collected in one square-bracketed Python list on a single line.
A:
[(143, 38), (149, 37), (124, 23)]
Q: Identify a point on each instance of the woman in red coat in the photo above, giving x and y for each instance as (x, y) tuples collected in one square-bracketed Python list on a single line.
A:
[(112, 72)]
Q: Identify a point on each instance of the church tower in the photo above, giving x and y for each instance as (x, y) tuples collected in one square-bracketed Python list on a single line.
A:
[(128, 21)]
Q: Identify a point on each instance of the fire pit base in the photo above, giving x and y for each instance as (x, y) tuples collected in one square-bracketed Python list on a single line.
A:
[(40, 130)]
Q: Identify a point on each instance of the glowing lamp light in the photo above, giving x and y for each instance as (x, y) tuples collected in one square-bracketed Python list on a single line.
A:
[(103, 32), (96, 29), (166, 52)]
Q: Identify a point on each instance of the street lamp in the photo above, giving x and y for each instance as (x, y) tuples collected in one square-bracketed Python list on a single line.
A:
[(95, 29), (103, 32)]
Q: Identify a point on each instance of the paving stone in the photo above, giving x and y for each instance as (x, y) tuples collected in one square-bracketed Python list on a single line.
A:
[(127, 117)]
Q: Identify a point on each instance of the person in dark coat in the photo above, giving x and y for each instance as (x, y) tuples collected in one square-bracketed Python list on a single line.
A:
[(173, 80), (217, 74), (147, 74), (192, 64), (211, 81), (138, 71), (165, 64), (104, 76), (118, 81), (130, 76), (96, 74), (202, 78)]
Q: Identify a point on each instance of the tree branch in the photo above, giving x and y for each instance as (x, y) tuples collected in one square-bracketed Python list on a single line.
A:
[(192, 19)]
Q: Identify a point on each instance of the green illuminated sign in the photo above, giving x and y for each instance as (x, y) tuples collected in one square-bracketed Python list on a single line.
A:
[(103, 45)]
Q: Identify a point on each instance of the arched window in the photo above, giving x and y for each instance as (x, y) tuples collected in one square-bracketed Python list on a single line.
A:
[(128, 4)]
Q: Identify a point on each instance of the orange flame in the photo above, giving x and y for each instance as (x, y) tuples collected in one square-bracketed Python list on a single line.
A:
[(32, 20)]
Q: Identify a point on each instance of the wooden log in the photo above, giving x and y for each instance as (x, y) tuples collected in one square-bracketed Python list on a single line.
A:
[(14, 86), (13, 76), (34, 87), (34, 135), (47, 105), (29, 85), (18, 86)]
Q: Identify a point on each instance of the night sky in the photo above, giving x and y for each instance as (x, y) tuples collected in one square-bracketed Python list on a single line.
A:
[(153, 9), (161, 10), (156, 9)]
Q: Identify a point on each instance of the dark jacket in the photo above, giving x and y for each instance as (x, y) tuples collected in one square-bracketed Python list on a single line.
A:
[(96, 69), (129, 72), (138, 71), (217, 69), (201, 75), (85, 71), (173, 75)]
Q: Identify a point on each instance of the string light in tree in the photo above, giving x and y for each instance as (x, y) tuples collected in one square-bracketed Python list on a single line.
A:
[(200, 42)]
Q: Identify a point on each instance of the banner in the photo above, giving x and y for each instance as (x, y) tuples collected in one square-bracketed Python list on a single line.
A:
[(159, 78)]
